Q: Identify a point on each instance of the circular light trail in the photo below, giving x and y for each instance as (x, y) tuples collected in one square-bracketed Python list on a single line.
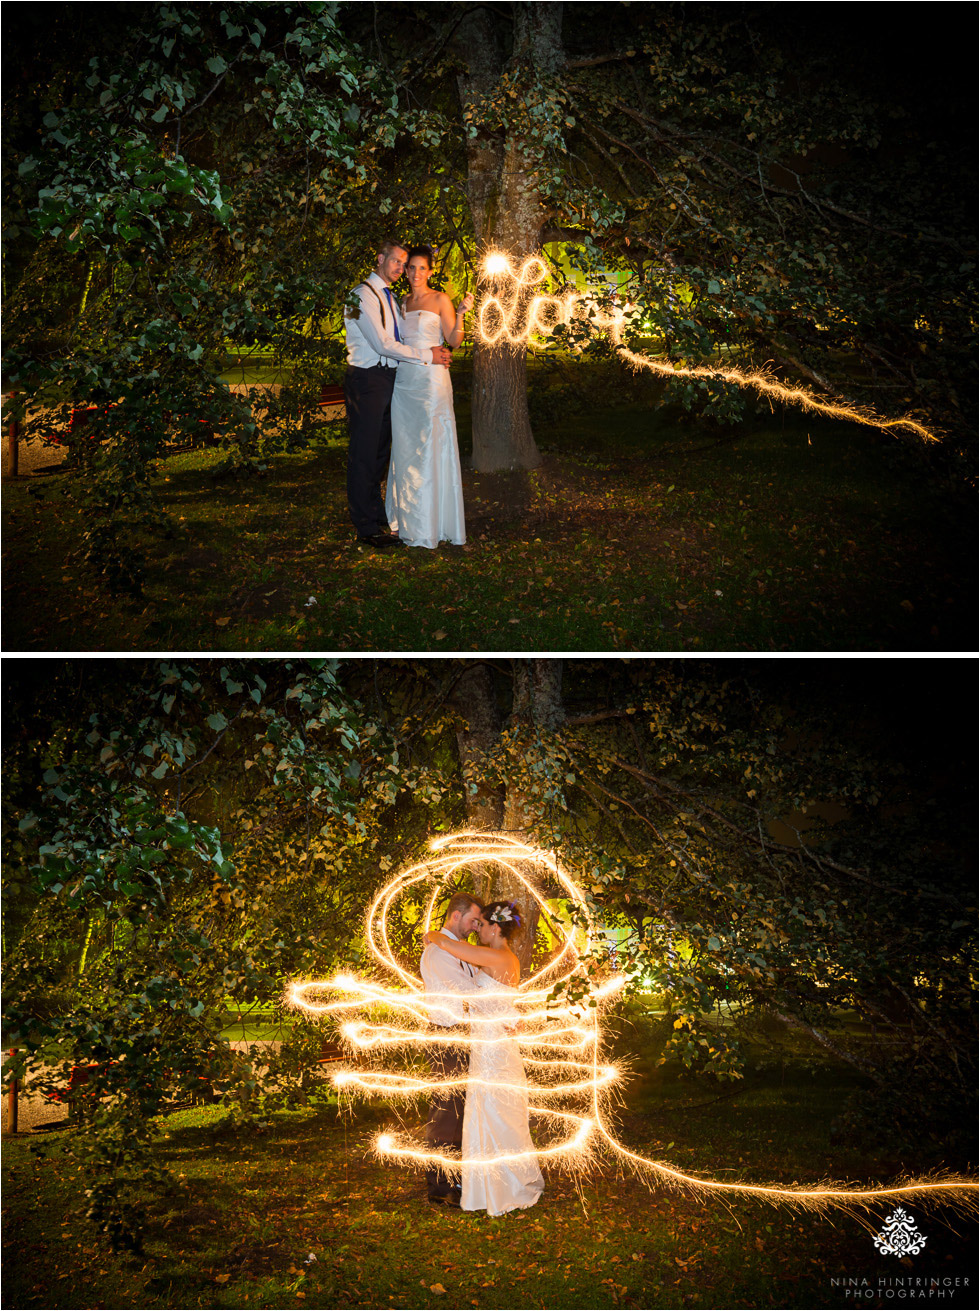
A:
[(570, 1030)]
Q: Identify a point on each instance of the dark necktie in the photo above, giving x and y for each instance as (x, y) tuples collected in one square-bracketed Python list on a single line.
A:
[(394, 316)]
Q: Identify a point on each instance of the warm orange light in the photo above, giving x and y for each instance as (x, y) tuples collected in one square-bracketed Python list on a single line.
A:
[(561, 1042), (510, 315), (496, 263)]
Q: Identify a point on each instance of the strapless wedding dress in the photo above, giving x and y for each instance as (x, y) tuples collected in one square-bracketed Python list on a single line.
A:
[(495, 1125), (424, 500)]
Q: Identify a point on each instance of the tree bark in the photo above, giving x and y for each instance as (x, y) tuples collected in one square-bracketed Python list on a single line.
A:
[(536, 704), (508, 214), (502, 434), (478, 734)]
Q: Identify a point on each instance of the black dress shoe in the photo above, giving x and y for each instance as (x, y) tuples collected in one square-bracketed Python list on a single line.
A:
[(381, 540)]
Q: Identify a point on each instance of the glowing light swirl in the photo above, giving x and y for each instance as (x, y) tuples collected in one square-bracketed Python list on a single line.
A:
[(565, 1028), (512, 314)]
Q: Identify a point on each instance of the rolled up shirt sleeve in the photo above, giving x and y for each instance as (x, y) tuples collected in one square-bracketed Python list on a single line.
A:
[(376, 334)]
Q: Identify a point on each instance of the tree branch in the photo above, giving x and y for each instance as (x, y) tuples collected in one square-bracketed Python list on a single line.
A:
[(614, 57)]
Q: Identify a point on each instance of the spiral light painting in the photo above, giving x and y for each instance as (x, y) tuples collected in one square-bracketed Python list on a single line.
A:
[(569, 1083)]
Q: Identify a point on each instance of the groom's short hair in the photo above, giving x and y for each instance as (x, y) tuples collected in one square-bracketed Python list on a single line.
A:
[(459, 901), (389, 245)]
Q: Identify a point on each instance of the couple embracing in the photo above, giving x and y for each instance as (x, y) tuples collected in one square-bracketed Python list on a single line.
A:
[(400, 406), (470, 993)]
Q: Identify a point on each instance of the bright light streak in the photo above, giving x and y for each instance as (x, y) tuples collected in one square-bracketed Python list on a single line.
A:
[(366, 1036), (566, 1029), (512, 314), (496, 263), (764, 384)]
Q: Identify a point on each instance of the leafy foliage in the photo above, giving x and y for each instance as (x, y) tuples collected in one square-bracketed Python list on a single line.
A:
[(190, 229), (137, 849), (758, 860), (185, 837), (217, 184)]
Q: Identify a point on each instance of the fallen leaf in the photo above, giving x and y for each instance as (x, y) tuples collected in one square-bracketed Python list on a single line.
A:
[(221, 622), (439, 635), (436, 1288), (221, 1279)]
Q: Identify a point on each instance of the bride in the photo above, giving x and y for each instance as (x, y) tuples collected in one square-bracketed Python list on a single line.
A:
[(495, 1119), (424, 500)]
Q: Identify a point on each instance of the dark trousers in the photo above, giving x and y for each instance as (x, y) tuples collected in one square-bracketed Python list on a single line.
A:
[(368, 396), (444, 1127)]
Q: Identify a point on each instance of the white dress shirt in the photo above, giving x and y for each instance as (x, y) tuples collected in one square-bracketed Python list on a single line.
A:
[(443, 973), (371, 336)]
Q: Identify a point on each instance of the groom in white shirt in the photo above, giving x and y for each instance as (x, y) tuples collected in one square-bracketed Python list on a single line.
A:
[(374, 347), (447, 980)]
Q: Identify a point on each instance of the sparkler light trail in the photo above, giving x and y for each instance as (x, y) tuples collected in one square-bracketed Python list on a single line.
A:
[(574, 1031), (512, 313)]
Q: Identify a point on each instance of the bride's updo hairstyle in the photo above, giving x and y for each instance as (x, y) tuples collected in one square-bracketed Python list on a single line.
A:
[(421, 252), (505, 914)]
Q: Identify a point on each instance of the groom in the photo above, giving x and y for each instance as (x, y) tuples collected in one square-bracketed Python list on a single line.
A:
[(444, 974), (374, 347)]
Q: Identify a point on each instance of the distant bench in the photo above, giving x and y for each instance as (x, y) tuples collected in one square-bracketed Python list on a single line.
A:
[(330, 1054), (84, 418), (331, 396), (82, 1089)]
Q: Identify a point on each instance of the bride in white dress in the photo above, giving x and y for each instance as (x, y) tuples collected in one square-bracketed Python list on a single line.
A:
[(495, 1121), (424, 500)]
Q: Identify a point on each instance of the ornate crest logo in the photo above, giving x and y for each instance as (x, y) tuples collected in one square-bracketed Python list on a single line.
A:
[(900, 1236)]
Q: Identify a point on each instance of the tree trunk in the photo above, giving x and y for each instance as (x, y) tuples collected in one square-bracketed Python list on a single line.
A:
[(536, 705), (507, 214), (476, 737), (502, 436)]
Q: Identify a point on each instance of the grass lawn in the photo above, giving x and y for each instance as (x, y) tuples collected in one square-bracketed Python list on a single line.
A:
[(639, 532), (300, 1215)]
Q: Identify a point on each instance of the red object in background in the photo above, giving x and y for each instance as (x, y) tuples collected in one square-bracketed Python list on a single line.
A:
[(80, 1077), (83, 418), (12, 1093)]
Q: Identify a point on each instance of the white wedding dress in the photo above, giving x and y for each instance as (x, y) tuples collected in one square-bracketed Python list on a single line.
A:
[(424, 500), (495, 1121)]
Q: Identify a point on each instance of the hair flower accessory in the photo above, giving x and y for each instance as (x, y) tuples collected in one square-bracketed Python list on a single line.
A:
[(505, 914)]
